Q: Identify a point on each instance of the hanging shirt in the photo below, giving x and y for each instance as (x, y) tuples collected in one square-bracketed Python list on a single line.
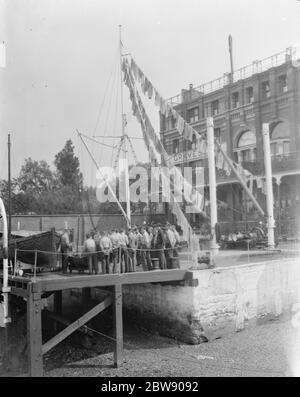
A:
[(150, 90), (157, 98), (180, 125)]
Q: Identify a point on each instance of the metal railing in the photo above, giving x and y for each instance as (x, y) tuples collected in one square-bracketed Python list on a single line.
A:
[(257, 66)]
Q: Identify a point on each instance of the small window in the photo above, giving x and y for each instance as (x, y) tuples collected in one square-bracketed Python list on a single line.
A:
[(215, 107), (273, 149), (249, 95), (194, 141), (193, 115), (176, 146), (188, 144), (282, 83), (246, 155), (265, 87), (235, 100), (170, 123), (286, 147), (217, 133)]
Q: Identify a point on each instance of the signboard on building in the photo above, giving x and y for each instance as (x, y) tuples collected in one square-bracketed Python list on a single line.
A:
[(190, 155)]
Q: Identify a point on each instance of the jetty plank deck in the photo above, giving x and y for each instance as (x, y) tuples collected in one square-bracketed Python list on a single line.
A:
[(33, 288)]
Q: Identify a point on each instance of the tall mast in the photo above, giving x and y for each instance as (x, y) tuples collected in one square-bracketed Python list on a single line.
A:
[(9, 188), (231, 57), (124, 135)]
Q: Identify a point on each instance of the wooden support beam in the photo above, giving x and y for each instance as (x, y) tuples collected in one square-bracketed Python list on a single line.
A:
[(118, 324), (76, 324), (102, 280), (34, 332), (19, 292), (63, 320)]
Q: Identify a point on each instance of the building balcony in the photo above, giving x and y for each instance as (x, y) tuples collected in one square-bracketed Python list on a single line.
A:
[(285, 163)]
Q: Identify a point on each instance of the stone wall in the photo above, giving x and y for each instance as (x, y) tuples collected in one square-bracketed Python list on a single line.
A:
[(223, 300)]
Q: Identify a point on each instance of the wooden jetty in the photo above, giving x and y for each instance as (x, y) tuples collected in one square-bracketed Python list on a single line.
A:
[(35, 289)]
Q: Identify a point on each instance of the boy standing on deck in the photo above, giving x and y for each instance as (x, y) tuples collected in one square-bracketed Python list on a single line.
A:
[(90, 248)]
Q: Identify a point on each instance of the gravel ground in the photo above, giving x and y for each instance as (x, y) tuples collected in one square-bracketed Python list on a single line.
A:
[(268, 349), (257, 351)]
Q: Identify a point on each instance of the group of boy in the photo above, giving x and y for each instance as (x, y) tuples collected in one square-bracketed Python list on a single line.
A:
[(118, 251)]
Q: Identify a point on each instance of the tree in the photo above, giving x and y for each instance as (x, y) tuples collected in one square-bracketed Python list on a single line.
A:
[(21, 203), (67, 166), (35, 177)]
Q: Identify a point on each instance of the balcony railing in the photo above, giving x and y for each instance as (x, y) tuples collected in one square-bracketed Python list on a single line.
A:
[(258, 66), (280, 163)]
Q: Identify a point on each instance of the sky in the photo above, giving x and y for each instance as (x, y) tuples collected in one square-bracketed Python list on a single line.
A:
[(62, 70)]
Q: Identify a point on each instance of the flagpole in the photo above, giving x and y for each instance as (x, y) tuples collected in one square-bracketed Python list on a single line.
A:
[(127, 193)]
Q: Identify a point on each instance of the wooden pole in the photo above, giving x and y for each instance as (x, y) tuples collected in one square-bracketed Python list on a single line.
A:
[(231, 57), (127, 191), (118, 325), (269, 184), (57, 307), (212, 184), (53, 245), (34, 332), (9, 189), (78, 228)]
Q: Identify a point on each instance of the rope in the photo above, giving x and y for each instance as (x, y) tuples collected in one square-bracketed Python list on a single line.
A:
[(97, 252), (104, 96)]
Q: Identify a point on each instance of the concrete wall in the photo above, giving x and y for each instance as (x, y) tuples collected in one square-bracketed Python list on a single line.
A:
[(224, 300)]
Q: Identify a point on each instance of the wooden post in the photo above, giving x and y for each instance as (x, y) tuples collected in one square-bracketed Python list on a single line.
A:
[(86, 298), (82, 230), (212, 184), (118, 325), (57, 306), (58, 302), (34, 332), (53, 245), (78, 229), (269, 183)]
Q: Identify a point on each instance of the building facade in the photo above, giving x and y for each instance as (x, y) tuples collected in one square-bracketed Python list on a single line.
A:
[(266, 91)]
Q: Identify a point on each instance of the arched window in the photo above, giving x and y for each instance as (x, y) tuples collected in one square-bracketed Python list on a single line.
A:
[(247, 138), (246, 147), (280, 139)]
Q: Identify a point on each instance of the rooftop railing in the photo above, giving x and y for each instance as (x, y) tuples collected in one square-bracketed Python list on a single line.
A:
[(258, 66)]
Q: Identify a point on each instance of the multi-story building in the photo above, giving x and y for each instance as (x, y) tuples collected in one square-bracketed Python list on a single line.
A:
[(267, 91)]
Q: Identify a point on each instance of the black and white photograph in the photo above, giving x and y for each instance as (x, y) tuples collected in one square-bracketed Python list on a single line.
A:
[(149, 191)]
